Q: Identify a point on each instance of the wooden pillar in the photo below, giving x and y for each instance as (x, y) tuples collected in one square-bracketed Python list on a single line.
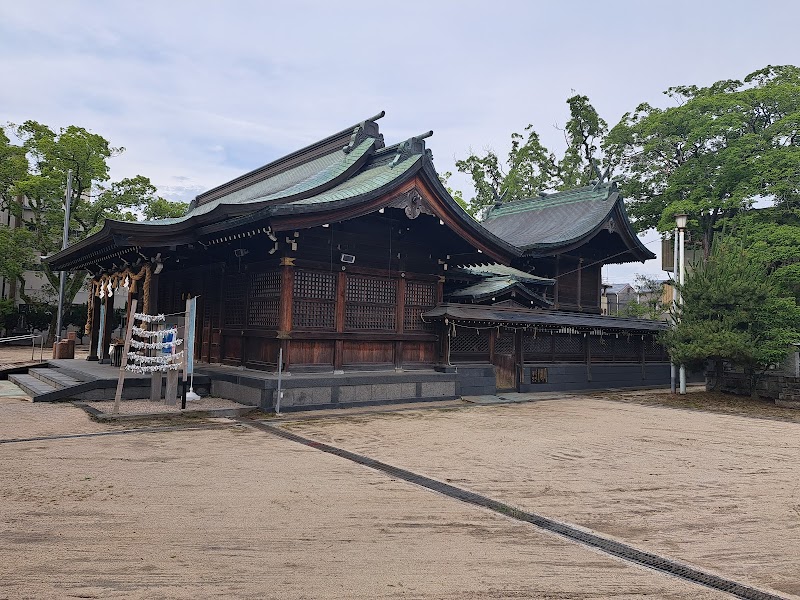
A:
[(580, 281), (105, 357), (644, 366), (445, 356), (400, 323), (285, 316), (440, 289), (557, 285), (338, 349), (520, 358), (94, 332), (588, 341)]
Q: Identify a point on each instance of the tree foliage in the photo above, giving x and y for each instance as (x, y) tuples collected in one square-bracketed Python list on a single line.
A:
[(773, 236), (36, 170), (711, 156), (530, 167), (733, 310)]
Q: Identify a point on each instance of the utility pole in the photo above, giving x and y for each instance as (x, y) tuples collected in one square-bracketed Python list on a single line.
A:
[(65, 242)]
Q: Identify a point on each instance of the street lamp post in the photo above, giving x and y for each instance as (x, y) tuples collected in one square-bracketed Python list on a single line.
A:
[(680, 221), (673, 369)]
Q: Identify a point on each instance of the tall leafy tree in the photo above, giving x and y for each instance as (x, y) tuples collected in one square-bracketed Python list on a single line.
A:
[(48, 155), (733, 311), (713, 154), (530, 167)]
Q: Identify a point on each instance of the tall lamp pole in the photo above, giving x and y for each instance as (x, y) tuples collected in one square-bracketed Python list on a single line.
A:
[(680, 221), (62, 282), (673, 369)]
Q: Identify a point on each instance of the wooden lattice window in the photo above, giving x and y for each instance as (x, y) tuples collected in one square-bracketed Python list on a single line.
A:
[(538, 347), (235, 300), (653, 350), (504, 343), (370, 303), (601, 348), (265, 293), (627, 348), (469, 341), (420, 297), (314, 302), (568, 347)]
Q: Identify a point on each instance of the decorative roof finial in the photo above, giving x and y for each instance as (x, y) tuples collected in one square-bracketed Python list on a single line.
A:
[(411, 146), (366, 129)]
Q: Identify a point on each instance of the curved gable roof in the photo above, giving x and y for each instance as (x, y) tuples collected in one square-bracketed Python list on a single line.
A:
[(551, 222)]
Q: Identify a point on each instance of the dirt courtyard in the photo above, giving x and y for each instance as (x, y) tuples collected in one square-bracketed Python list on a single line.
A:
[(220, 509)]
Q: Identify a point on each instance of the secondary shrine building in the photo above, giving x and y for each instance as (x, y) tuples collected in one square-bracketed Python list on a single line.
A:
[(350, 261)]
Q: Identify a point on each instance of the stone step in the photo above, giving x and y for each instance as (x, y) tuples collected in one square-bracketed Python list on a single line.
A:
[(32, 385), (55, 377)]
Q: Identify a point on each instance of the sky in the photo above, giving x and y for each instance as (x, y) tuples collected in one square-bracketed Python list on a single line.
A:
[(200, 92)]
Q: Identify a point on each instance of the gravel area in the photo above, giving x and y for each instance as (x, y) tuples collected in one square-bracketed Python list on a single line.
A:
[(146, 407), (238, 513), (721, 492)]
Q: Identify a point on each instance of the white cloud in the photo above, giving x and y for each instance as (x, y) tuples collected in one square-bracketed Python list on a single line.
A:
[(204, 91)]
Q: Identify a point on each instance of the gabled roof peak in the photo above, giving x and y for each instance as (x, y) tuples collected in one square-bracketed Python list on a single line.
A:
[(342, 141)]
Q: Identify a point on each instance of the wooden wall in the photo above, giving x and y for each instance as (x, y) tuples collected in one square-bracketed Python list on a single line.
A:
[(323, 313)]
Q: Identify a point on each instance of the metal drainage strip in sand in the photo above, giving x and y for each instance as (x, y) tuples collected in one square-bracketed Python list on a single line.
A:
[(611, 547)]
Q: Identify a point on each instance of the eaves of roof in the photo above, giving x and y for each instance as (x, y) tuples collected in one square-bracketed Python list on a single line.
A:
[(496, 286), (547, 319)]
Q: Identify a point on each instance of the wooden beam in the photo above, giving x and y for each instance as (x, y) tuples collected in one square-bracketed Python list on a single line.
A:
[(338, 350), (94, 331)]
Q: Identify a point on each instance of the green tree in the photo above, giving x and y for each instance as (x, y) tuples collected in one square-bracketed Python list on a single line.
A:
[(49, 155), (13, 167), (16, 253), (455, 194), (530, 167), (773, 235), (733, 311), (711, 156), (8, 315)]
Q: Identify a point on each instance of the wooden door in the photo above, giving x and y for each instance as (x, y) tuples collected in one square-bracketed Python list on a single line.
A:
[(505, 361)]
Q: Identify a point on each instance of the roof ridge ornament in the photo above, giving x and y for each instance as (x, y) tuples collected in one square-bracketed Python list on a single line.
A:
[(412, 146), (499, 198), (362, 131), (602, 177)]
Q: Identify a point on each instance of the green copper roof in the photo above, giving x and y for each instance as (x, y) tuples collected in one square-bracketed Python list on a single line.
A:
[(304, 178), (558, 218), (366, 181)]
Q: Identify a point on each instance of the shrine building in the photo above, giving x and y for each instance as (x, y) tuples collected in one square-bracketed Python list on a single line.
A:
[(350, 261)]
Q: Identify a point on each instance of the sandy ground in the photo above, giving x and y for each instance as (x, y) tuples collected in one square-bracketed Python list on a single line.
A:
[(717, 491), (238, 513), (11, 355)]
